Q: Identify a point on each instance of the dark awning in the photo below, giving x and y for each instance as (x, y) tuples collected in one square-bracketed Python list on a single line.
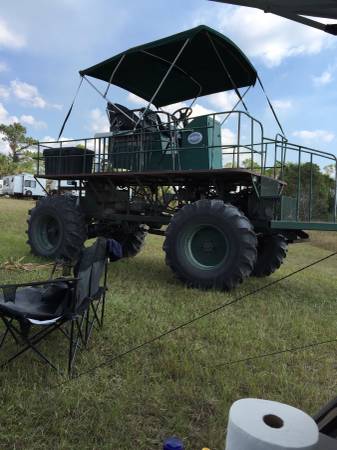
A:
[(296, 10), (210, 63)]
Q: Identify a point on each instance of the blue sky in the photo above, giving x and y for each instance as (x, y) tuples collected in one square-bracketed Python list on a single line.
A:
[(44, 44)]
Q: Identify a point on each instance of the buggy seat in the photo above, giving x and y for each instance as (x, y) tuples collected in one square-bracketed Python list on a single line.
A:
[(139, 143)]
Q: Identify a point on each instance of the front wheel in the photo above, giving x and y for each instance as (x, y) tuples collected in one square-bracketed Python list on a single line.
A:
[(210, 244), (56, 228)]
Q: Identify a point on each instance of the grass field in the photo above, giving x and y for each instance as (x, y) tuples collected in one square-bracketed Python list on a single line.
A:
[(172, 386)]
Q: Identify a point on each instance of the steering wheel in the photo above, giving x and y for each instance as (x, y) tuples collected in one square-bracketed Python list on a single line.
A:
[(181, 115)]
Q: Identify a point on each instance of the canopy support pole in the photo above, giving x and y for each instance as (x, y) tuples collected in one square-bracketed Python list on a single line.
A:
[(163, 81), (113, 74), (271, 107), (70, 109), (104, 96), (227, 72), (236, 105), (179, 68)]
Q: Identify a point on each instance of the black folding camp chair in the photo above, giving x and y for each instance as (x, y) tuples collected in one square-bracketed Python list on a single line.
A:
[(73, 305)]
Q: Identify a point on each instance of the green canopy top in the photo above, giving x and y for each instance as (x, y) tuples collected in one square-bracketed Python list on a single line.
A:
[(209, 63)]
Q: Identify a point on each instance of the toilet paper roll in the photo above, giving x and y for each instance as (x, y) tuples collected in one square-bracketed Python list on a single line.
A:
[(264, 425)]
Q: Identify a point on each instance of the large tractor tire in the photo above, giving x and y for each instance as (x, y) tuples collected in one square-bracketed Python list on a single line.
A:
[(132, 241), (210, 244), (271, 251), (56, 228)]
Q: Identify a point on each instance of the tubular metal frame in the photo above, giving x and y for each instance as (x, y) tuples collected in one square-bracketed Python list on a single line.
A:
[(259, 154)]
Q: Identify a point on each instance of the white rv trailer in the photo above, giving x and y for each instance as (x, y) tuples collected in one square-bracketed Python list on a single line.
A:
[(1, 186), (24, 185)]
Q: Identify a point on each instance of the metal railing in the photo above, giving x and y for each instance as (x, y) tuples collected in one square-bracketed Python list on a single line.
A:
[(221, 140)]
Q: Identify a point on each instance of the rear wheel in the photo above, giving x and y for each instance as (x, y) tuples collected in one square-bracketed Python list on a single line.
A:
[(56, 228), (271, 251), (210, 244), (132, 240)]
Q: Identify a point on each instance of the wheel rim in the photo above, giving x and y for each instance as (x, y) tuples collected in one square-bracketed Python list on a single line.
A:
[(205, 246), (48, 232)]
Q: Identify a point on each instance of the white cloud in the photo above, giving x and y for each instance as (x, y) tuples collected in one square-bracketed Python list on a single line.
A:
[(27, 94), (56, 106), (199, 110), (53, 140), (132, 98), (315, 135), (9, 38), (30, 120), (25, 119), (5, 117), (265, 36), (174, 107), (323, 79), (228, 137), (283, 104), (98, 121), (224, 101), (4, 92)]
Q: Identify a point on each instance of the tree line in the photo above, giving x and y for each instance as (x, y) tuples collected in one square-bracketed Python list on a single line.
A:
[(315, 187), (21, 156)]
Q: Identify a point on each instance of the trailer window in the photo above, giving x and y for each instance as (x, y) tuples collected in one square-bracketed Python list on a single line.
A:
[(30, 183)]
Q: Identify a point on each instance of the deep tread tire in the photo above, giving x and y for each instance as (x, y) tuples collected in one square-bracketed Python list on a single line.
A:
[(271, 251), (56, 228), (232, 228), (132, 242)]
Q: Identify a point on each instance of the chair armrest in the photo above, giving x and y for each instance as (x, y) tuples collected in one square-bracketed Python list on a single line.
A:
[(40, 283), (9, 290)]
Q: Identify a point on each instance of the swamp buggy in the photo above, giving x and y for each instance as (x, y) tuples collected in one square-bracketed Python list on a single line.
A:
[(213, 185)]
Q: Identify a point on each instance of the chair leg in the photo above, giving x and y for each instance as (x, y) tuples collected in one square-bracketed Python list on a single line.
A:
[(87, 327), (9, 328), (43, 357), (103, 309), (31, 345), (93, 307), (25, 327), (3, 337), (71, 348), (75, 338)]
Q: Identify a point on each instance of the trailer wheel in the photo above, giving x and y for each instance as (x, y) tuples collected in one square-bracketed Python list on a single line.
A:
[(56, 228), (210, 244), (132, 241), (271, 251)]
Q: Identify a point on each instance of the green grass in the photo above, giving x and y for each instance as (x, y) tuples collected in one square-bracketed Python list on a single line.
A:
[(173, 385)]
